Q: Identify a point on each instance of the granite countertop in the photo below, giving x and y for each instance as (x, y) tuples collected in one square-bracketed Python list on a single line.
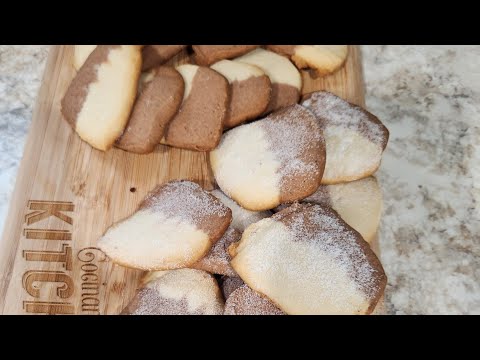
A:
[(429, 98)]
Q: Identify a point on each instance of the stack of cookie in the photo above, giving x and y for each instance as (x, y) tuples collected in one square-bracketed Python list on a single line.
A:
[(125, 96), (288, 229)]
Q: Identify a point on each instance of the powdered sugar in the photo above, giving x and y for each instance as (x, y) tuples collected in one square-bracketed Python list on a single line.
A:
[(245, 301)]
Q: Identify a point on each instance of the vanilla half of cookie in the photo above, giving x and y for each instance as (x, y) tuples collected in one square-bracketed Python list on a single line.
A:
[(280, 157), (199, 123), (355, 139), (323, 59), (241, 218), (250, 91), (307, 260), (284, 76), (174, 227), (178, 292), (98, 102), (80, 54)]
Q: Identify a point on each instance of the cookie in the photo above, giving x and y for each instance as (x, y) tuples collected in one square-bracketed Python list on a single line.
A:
[(359, 203), (245, 301), (206, 55), (156, 105), (323, 59), (174, 227), (80, 55), (307, 260), (241, 218), (199, 122), (155, 55), (284, 76), (262, 164), (98, 102), (229, 284), (217, 260), (250, 91), (178, 292), (355, 138)]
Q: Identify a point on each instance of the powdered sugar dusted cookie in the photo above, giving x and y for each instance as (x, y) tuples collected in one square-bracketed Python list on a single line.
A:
[(355, 138), (250, 91), (80, 54), (241, 218), (98, 102), (199, 123), (178, 292), (284, 76), (324, 59), (307, 260), (359, 203), (155, 55), (209, 54), (229, 284), (217, 260), (245, 301), (262, 164), (157, 103), (174, 227)]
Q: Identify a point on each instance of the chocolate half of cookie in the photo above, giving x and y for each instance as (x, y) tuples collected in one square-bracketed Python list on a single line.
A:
[(155, 55), (284, 76), (199, 122), (250, 91), (355, 139), (245, 301), (208, 54), (156, 105)]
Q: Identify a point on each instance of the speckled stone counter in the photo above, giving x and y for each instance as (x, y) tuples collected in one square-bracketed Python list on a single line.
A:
[(429, 98)]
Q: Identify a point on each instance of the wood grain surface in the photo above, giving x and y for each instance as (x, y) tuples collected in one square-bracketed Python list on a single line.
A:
[(67, 194)]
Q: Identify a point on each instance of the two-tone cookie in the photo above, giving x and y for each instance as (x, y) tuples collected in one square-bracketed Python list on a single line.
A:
[(241, 218), (99, 100), (284, 76), (229, 284), (217, 260), (206, 55), (355, 139), (307, 260), (177, 292), (250, 91), (245, 301), (262, 164), (199, 123), (156, 105), (323, 59), (80, 55), (155, 55), (174, 227)]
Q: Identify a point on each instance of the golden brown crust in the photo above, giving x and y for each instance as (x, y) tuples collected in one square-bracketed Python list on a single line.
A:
[(154, 55), (286, 50), (156, 105), (199, 123), (249, 99), (208, 54)]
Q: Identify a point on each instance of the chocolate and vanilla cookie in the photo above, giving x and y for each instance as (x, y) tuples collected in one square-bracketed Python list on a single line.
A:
[(206, 55), (229, 284), (241, 218), (155, 55), (250, 91), (156, 105), (217, 260), (245, 301), (175, 226), (99, 100), (271, 161), (323, 59), (307, 260), (177, 292), (80, 54), (199, 123), (355, 138), (284, 76)]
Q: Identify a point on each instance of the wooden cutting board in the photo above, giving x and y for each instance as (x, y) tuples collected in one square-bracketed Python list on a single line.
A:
[(67, 194)]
